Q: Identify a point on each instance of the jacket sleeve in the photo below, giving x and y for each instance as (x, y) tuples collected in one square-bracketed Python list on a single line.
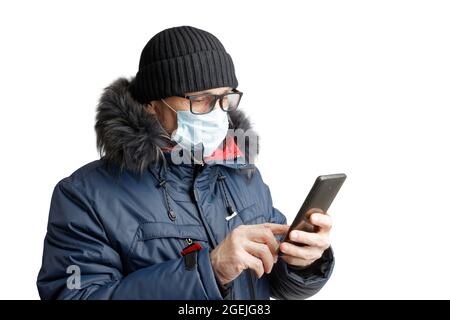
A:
[(76, 241), (291, 283)]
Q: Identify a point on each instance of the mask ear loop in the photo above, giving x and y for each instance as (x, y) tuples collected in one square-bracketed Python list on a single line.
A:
[(230, 121), (168, 105)]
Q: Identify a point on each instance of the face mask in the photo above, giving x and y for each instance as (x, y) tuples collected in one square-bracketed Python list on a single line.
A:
[(208, 130)]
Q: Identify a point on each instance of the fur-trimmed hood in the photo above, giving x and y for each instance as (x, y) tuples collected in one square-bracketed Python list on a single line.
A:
[(132, 138)]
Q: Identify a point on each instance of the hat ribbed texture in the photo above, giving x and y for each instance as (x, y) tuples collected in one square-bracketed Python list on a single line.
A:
[(179, 60)]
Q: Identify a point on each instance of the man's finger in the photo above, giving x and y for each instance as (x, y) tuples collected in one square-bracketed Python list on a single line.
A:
[(277, 229), (296, 261), (309, 238), (255, 264), (264, 235), (321, 220), (305, 253), (261, 251)]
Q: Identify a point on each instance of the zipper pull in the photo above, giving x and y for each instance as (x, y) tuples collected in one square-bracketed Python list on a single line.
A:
[(231, 213)]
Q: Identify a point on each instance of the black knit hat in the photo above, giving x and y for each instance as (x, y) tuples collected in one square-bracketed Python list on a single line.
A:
[(179, 60)]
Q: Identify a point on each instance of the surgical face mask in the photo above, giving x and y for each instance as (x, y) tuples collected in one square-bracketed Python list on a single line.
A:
[(208, 130)]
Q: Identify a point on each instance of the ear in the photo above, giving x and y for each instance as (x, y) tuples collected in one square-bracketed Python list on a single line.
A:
[(149, 107)]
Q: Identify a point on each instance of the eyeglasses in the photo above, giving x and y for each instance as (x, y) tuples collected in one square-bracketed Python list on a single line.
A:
[(205, 103)]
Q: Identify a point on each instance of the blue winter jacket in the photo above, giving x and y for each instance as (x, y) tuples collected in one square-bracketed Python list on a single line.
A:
[(121, 222)]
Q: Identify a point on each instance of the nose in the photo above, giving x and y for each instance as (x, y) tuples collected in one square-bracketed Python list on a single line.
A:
[(217, 105)]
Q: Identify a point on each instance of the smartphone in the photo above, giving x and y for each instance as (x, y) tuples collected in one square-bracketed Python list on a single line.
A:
[(319, 199)]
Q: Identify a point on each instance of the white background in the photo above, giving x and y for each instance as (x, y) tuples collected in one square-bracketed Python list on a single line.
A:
[(360, 87)]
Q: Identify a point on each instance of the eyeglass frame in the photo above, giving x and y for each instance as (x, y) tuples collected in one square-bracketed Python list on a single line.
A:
[(216, 97)]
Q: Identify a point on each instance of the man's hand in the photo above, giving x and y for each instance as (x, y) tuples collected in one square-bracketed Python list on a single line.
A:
[(314, 243), (247, 246), (255, 247)]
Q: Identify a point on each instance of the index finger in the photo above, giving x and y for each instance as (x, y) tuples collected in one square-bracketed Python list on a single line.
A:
[(277, 229)]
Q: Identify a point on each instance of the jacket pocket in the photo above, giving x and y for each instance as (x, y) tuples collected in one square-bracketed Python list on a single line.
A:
[(158, 230), (251, 215), (157, 242)]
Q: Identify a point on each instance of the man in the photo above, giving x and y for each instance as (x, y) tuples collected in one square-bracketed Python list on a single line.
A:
[(175, 208)]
